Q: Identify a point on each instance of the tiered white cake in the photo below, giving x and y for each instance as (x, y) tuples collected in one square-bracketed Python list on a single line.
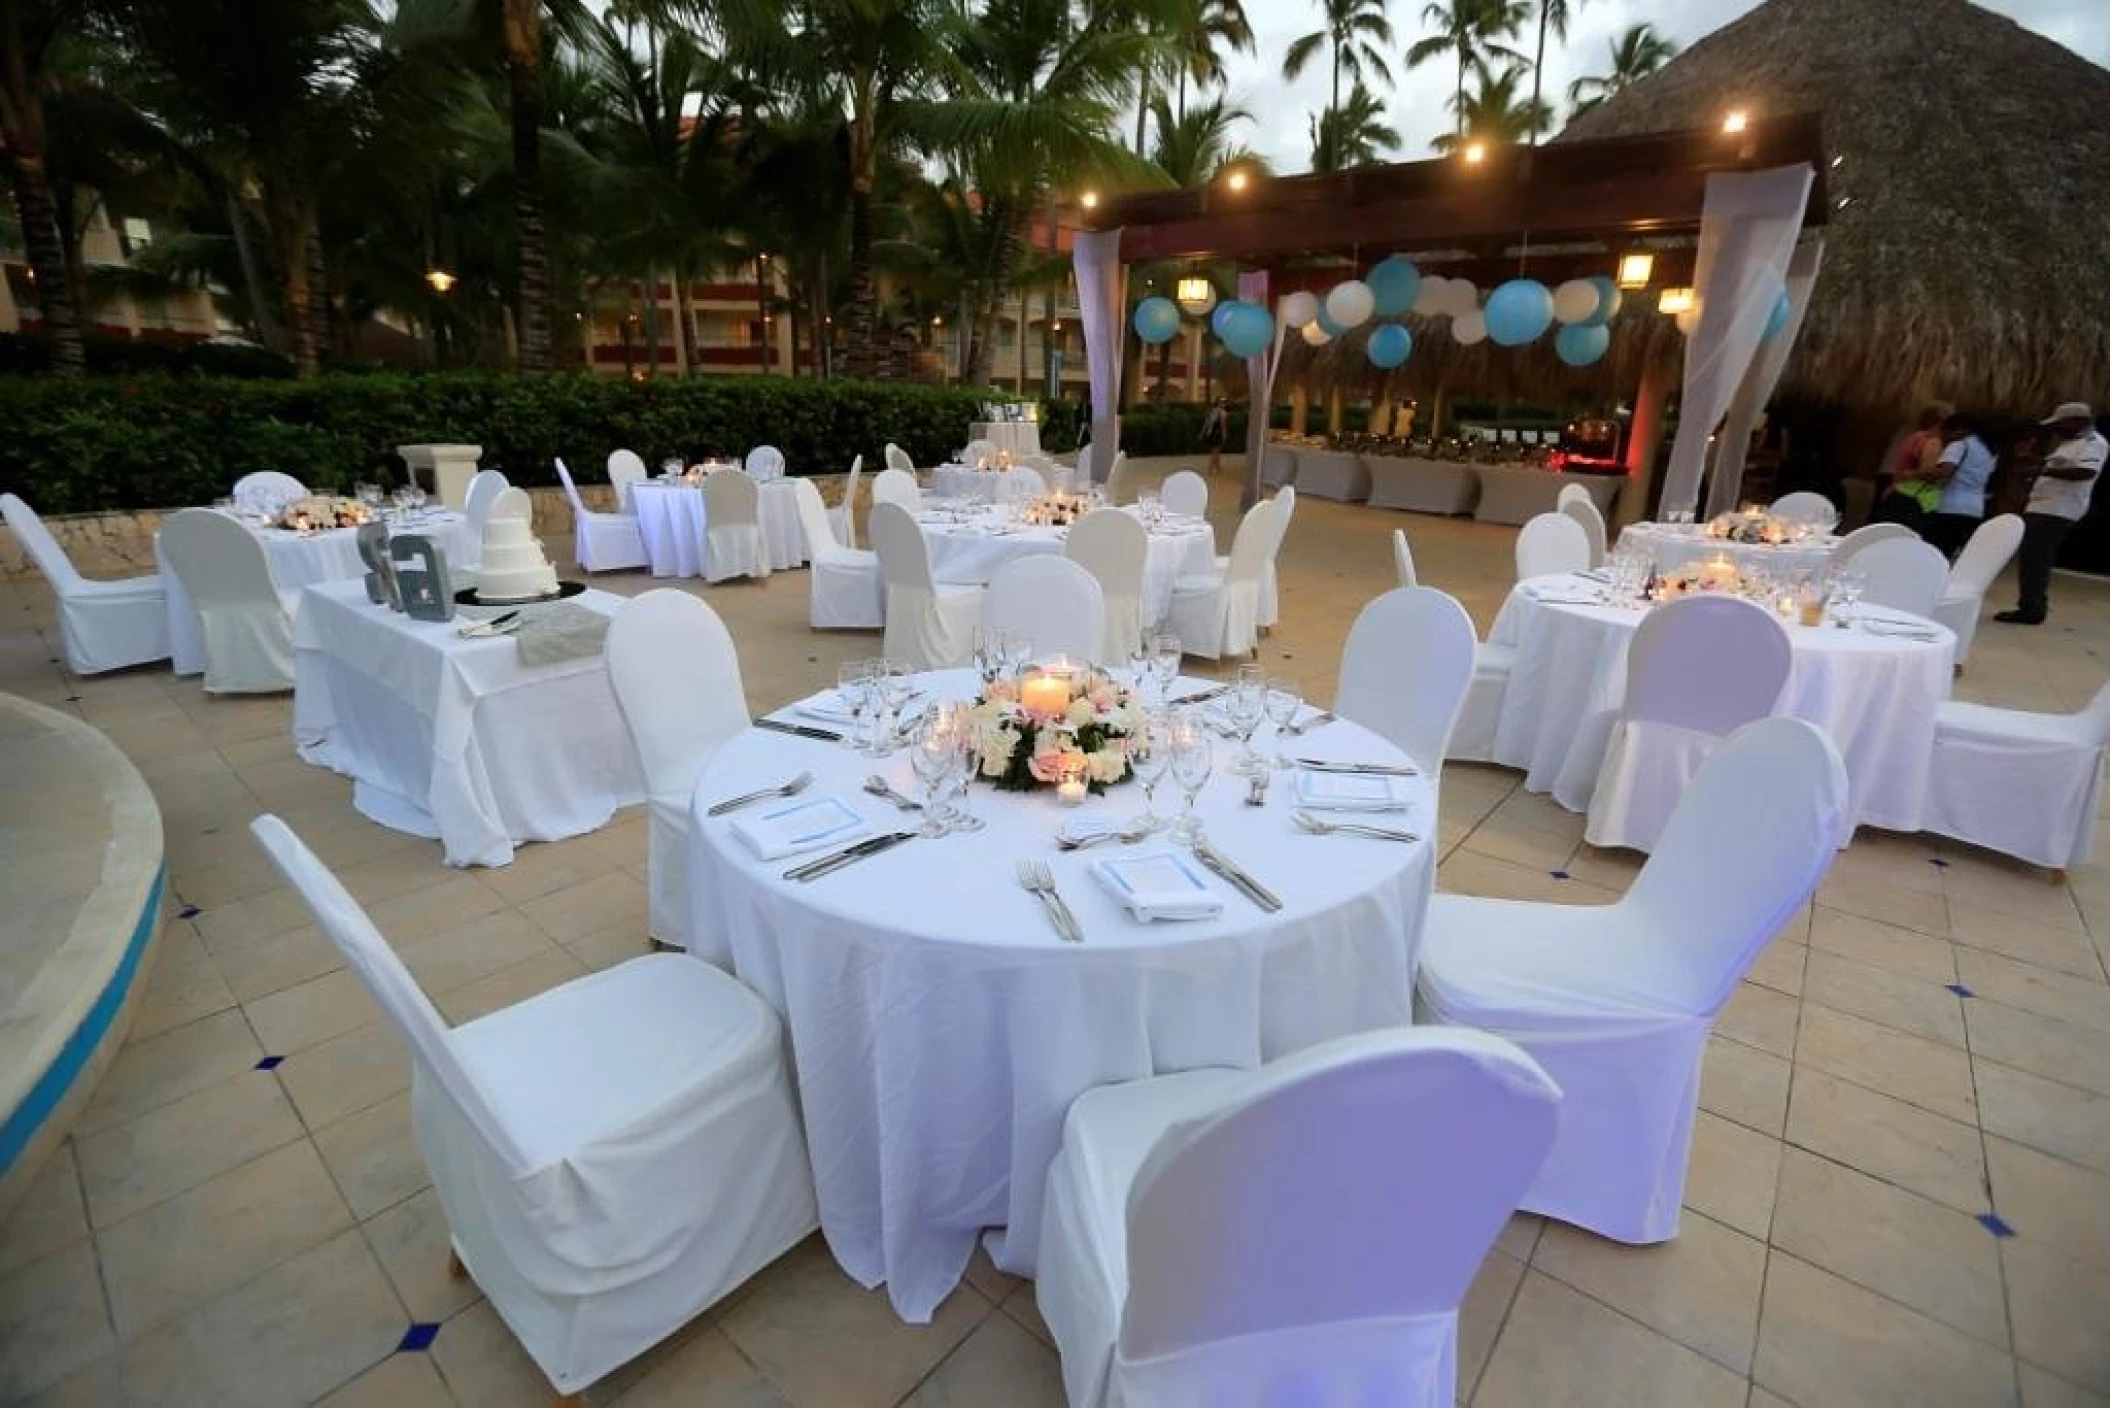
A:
[(515, 568)]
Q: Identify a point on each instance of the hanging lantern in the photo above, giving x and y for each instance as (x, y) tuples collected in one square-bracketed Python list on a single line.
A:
[(1195, 295), (1674, 301), (1636, 269)]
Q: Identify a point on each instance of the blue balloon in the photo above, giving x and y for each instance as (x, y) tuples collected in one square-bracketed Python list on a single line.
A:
[(1394, 285), (1333, 329), (1248, 329), (1518, 312), (1219, 315), (1581, 344), (1608, 300), (1156, 320), (1778, 318), (1390, 345)]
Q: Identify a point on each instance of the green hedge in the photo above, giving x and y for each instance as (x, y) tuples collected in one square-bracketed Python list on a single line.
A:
[(156, 442)]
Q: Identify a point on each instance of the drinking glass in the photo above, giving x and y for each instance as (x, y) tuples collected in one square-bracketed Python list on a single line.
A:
[(1244, 707), (1017, 651), (1283, 701), (1191, 760), (988, 654), (1846, 590), (1152, 508), (965, 761), (1149, 753), (1165, 654), (931, 760)]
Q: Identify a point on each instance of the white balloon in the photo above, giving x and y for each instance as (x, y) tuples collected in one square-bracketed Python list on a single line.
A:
[(1299, 309), (1434, 297), (1463, 296), (1351, 303), (1574, 301), (1316, 336), (1469, 329)]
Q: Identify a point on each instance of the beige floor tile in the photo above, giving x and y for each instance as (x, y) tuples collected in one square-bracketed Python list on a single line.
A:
[(178, 1254), (2051, 1201), (1760, 1017), (373, 1156), (52, 1321), (266, 966), (1744, 1084), (1732, 1174), (1823, 1340), (1905, 1004), (49, 1216), (151, 1073), (609, 947), (399, 1381), (314, 1011), (433, 909), (588, 907), (1904, 951), (1519, 1236), (509, 986), (2081, 1001), (2043, 1389), (2041, 1045), (2029, 897), (186, 985), (1926, 1073), (2045, 1114), (483, 1364), (1893, 904), (1701, 1289), (1482, 1314), (213, 886), (2065, 949), (396, 874), (545, 868), (411, 1241), (1939, 1158), (1779, 967), (2057, 1304), (1021, 1306), (350, 1072), (823, 1339), (128, 1168), (99, 1385), (982, 1274), (703, 1368), (1562, 1347), (997, 1363), (474, 950), (255, 917)]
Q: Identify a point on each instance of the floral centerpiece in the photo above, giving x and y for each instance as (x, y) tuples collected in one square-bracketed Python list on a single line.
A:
[(1719, 575), (1058, 723), (1750, 525), (319, 512), (1057, 510)]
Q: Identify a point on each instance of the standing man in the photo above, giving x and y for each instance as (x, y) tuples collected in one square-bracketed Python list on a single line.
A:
[(2057, 501)]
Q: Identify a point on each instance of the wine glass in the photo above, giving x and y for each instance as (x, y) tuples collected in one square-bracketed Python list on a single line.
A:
[(1149, 753), (1846, 591), (1138, 662), (853, 692), (1283, 701), (931, 759), (988, 654), (1244, 707), (1190, 762), (1165, 655), (965, 762), (1017, 651)]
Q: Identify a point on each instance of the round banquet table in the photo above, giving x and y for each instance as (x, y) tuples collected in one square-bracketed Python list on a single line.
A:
[(966, 547), (304, 560), (940, 1028), (1673, 547), (1876, 695), (672, 521)]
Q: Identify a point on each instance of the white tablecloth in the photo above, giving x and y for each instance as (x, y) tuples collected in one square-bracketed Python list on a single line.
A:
[(1020, 437), (969, 553), (672, 521), (940, 1029), (1876, 696), (1673, 548), (456, 739), (1515, 494), (1423, 486), (297, 562), (1332, 474)]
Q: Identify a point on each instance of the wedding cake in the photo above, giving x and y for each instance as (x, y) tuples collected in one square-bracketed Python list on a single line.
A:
[(515, 568)]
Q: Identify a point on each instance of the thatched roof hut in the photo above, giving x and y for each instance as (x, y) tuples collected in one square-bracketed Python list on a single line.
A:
[(1968, 252)]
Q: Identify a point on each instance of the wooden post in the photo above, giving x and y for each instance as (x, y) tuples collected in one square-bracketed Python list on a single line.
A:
[(1644, 442), (1299, 408)]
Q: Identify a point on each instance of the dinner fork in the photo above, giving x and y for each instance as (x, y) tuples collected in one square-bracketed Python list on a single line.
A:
[(1035, 877), (1307, 822), (1127, 836), (786, 789)]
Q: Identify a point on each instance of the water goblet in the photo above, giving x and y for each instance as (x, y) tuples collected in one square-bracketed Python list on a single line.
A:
[(1846, 591), (966, 762), (1191, 760), (931, 760), (1165, 652), (1244, 707), (1283, 701), (1149, 753)]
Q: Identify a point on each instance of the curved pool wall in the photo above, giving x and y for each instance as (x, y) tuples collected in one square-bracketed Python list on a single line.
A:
[(82, 877)]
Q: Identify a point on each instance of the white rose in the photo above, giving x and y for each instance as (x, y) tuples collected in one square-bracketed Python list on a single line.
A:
[(1080, 713)]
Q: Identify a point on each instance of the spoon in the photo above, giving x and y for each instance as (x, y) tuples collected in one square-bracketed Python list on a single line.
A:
[(880, 787), (1127, 837)]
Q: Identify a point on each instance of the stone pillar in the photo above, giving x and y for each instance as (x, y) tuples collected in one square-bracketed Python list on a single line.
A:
[(1299, 408), (1644, 441), (444, 470)]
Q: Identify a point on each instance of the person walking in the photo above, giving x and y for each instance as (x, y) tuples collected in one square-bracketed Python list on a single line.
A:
[(1961, 472), (2057, 500), (1216, 426)]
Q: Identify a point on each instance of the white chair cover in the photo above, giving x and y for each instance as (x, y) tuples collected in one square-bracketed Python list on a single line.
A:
[(1021, 484), (1053, 602), (105, 625), (896, 486), (1115, 548), (1270, 593), (2027, 785), (1405, 669), (1218, 615), (976, 453), (612, 1156), (1473, 736), (484, 487), (1551, 542), (1583, 509), (1120, 485), (625, 468), (732, 528), (928, 625), (846, 587), (267, 491), (1615, 1001), (896, 458), (602, 542), (676, 679), (1302, 1234), (1903, 574), (1699, 669), (1571, 493), (1185, 492), (1803, 506), (843, 517), (1403, 559), (1851, 545), (764, 463), (243, 620), (1992, 546)]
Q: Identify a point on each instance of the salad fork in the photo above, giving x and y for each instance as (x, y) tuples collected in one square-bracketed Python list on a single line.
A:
[(1035, 877)]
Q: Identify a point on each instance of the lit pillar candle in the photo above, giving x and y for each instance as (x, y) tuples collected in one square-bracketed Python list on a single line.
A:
[(1720, 572), (1046, 694)]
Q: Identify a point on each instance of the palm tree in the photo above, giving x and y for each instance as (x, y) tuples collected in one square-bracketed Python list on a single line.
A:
[(1495, 111), (1471, 31), (30, 32), (1217, 26), (1194, 147), (1553, 15), (1634, 55), (1352, 135), (521, 25), (1354, 31)]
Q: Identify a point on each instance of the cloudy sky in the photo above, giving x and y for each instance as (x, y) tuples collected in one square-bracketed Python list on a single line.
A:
[(1418, 100)]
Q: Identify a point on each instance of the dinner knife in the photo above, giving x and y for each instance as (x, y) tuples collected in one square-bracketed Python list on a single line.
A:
[(801, 730), (1249, 887), (1201, 694), (1364, 769), (829, 864)]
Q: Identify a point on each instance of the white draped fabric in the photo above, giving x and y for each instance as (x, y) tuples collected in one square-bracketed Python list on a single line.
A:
[(1260, 378), (1747, 235), (673, 522), (1101, 297), (969, 553), (456, 739), (940, 1028), (1725, 485)]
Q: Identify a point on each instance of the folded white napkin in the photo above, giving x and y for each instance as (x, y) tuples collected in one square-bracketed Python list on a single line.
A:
[(1351, 791), (801, 824), (827, 706), (1158, 885)]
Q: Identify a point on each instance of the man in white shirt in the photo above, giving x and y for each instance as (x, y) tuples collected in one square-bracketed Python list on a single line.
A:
[(2057, 500)]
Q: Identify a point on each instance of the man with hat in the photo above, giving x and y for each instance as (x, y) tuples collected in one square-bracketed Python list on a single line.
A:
[(2057, 500)]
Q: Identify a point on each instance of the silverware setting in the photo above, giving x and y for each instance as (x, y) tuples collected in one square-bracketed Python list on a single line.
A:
[(1200, 695), (496, 626), (1245, 884), (1256, 790), (799, 730), (1363, 769), (1319, 720), (783, 789), (849, 855), (1127, 836), (1307, 822), (880, 787), (1035, 877)]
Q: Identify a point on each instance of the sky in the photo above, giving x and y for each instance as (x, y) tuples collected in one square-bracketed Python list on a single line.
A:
[(1418, 105)]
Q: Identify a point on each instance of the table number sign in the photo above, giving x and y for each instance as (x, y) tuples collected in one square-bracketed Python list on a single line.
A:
[(380, 568), (421, 576)]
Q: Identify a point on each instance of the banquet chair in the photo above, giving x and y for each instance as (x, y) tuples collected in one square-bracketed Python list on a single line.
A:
[(977, 453), (1571, 493), (895, 486), (1402, 559), (104, 625), (1115, 548), (676, 678), (1022, 484), (1120, 480), (929, 624), (1218, 615), (732, 528), (1804, 506), (847, 590), (764, 463), (1584, 511), (612, 1156), (1699, 669), (1984, 557), (1405, 669), (267, 491), (601, 542), (1270, 581), (843, 517), (1473, 736), (1903, 574), (1185, 492), (897, 458), (484, 488), (2025, 784), (1850, 546), (1300, 1234), (1549, 543), (1053, 602), (625, 468), (1616, 1001), (244, 620)]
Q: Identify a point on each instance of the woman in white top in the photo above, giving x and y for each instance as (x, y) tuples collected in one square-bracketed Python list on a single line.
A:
[(1964, 466)]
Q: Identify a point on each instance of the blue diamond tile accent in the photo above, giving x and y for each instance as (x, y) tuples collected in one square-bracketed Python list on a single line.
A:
[(1959, 989), (1995, 1224), (189, 911), (1937, 862), (269, 1063), (73, 699), (1559, 874), (418, 1338)]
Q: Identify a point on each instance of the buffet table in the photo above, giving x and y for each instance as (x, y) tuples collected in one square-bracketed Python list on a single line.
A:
[(1020, 437), (1516, 494), (673, 522), (1671, 546), (939, 1027), (1422, 485), (1278, 464), (968, 547), (1332, 474), (456, 739)]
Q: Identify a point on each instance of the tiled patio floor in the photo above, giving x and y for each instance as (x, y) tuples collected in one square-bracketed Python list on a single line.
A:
[(1901, 1177)]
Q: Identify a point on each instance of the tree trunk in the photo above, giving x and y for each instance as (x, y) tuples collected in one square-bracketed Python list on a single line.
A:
[(291, 227), (861, 356), (1538, 69), (1142, 110), (523, 40), (651, 321), (684, 355), (1460, 100), (995, 294), (267, 327), (47, 261), (317, 308)]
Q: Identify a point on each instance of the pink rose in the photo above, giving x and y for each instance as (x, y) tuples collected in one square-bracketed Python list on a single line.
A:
[(1103, 700)]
